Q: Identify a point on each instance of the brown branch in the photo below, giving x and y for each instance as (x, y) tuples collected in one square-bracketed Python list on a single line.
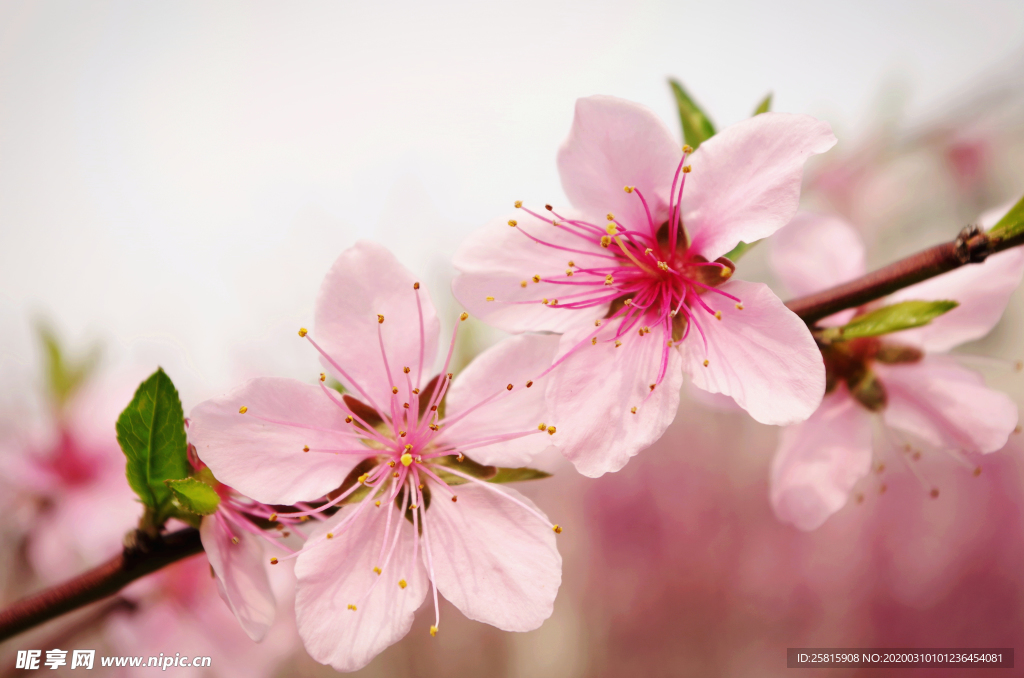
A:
[(139, 558), (971, 247)]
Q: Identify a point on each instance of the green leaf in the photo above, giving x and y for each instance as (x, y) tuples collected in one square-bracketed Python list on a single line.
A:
[(736, 252), (697, 128), (194, 495), (151, 432), (515, 475), (1012, 223), (765, 105), (64, 375), (902, 316)]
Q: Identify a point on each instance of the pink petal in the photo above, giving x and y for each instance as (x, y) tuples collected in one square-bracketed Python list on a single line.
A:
[(615, 143), (495, 260), (365, 281), (513, 361), (745, 183), (265, 460), (338, 572), (591, 393), (494, 560), (241, 575), (946, 405), (763, 356), (983, 291), (820, 460), (814, 252)]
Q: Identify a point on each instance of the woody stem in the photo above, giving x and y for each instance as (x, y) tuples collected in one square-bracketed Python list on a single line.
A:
[(970, 247), (141, 555)]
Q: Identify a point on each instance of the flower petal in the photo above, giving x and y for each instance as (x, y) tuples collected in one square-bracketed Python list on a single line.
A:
[(615, 143), (983, 291), (820, 460), (763, 356), (745, 183), (496, 260), (946, 405), (494, 560), (514, 361), (591, 393), (264, 460), (814, 252), (338, 572), (241, 574), (365, 281)]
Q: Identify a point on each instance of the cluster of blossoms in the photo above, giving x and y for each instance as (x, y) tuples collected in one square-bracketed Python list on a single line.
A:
[(391, 480)]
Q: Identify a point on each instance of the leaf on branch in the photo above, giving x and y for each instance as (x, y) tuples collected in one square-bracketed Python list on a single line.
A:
[(151, 432), (697, 128), (194, 496), (1012, 223), (764, 106), (902, 316), (515, 475), (736, 252)]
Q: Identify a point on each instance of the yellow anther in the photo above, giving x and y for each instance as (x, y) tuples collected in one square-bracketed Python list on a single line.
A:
[(518, 204), (272, 518), (401, 433), (455, 498), (686, 169), (705, 363), (391, 463), (415, 285), (529, 383), (302, 331), (330, 535), (554, 222), (548, 207), (405, 405), (568, 272), (739, 307), (408, 448), (522, 284), (348, 420), (542, 426), (376, 503), (572, 263), (610, 216), (652, 386), (557, 529), (352, 607), (608, 279), (536, 278), (627, 189), (687, 149), (305, 448), (593, 342), (464, 316), (718, 315), (394, 389), (243, 409), (461, 458), (662, 265), (273, 561), (641, 331), (323, 377), (633, 409), (234, 540), (489, 298), (413, 507), (433, 630), (380, 318), (605, 241), (376, 571), (406, 370), (416, 391), (647, 252), (406, 459), (362, 478), (509, 387), (628, 302), (434, 427), (612, 229), (513, 223), (725, 272), (402, 583), (551, 430), (421, 486), (597, 323), (618, 343), (395, 474)]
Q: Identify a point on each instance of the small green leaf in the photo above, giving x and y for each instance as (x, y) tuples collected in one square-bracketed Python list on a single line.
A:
[(194, 495), (515, 475), (64, 375), (151, 432), (697, 128), (736, 252), (902, 316), (1012, 223), (764, 106)]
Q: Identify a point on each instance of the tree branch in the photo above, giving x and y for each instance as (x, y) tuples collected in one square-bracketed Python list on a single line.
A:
[(971, 247), (140, 557)]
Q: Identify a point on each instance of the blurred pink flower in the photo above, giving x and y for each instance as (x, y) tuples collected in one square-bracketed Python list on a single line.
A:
[(282, 441), (924, 398), (607, 287)]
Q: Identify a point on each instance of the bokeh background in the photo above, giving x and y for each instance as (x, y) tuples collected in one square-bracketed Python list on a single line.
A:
[(175, 179)]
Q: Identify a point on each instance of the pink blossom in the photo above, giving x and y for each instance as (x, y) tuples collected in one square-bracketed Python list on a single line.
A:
[(365, 569), (925, 401), (637, 283)]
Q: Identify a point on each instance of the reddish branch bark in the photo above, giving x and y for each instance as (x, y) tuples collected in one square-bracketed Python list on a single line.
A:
[(138, 559), (970, 247)]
